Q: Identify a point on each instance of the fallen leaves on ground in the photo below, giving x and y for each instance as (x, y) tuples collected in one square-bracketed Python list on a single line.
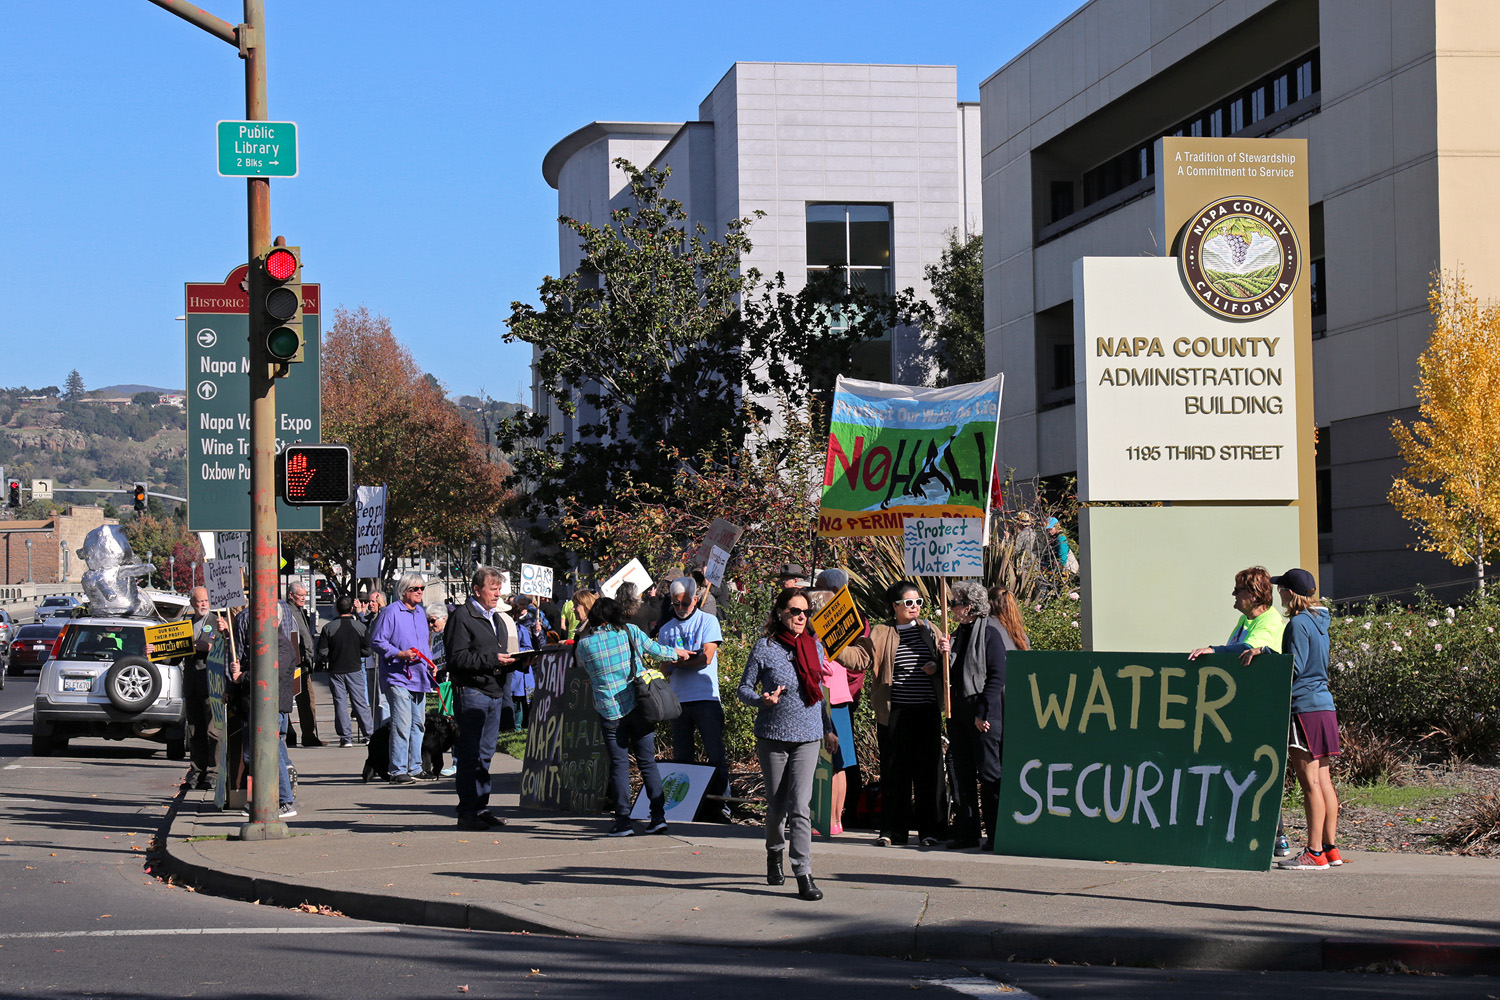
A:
[(321, 910)]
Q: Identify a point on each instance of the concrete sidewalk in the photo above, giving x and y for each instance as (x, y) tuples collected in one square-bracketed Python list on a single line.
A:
[(392, 853)]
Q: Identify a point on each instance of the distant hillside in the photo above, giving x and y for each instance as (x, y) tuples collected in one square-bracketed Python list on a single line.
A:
[(94, 444), (131, 390)]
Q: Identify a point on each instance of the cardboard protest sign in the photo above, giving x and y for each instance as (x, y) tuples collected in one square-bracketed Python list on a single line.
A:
[(218, 685), (898, 451), (536, 580), (225, 580), (838, 624), (170, 639), (713, 570), (232, 545), (721, 533), (684, 785), (564, 766), (944, 546), (1147, 757), (631, 572)]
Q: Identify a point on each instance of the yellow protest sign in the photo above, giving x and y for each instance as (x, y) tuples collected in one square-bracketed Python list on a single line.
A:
[(838, 624), (171, 639)]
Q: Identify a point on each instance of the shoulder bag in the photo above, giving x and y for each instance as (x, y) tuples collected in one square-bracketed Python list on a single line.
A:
[(655, 701)]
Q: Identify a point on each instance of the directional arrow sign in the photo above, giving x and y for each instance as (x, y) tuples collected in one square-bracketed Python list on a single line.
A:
[(257, 149)]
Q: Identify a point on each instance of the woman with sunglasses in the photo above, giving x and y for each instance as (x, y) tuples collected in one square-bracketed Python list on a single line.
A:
[(977, 680), (783, 679), (907, 695)]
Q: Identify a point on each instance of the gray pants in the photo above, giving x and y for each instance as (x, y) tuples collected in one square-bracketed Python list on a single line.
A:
[(375, 695), (349, 689), (788, 769)]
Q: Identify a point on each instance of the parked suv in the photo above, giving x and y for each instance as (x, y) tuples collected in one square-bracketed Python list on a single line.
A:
[(100, 683), (58, 604)]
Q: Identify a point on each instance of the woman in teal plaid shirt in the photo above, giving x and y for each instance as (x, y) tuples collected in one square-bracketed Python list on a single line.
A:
[(606, 653)]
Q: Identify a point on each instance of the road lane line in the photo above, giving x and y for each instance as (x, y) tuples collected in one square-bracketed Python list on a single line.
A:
[(14, 711), (171, 931)]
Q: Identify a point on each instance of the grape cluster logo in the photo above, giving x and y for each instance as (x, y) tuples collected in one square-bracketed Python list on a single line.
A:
[(1239, 258)]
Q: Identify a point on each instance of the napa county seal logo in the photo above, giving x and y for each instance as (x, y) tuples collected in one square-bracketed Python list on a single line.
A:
[(1240, 258)]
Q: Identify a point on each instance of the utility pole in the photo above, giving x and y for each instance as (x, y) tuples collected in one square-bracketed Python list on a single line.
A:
[(265, 760)]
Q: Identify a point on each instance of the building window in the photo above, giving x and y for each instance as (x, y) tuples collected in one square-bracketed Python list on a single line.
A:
[(1062, 199), (854, 240)]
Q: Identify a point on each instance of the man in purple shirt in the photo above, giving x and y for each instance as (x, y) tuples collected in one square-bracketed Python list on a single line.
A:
[(401, 640)]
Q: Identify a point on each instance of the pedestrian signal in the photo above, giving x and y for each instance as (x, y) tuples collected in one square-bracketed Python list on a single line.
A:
[(315, 475)]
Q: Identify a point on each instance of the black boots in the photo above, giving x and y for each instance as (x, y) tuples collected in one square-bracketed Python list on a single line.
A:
[(774, 874), (807, 888)]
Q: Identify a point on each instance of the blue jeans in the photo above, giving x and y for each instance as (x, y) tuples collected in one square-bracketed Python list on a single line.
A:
[(478, 717), (619, 746), (408, 726), (284, 785)]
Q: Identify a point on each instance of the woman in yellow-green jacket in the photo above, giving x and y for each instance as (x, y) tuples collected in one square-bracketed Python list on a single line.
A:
[(1259, 624)]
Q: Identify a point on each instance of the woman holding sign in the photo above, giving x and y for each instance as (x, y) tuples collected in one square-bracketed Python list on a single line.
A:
[(1314, 735), (783, 678)]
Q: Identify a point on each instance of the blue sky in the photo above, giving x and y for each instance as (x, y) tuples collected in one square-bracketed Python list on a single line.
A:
[(422, 129)]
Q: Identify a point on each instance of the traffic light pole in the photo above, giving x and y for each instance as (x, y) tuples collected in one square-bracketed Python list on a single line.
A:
[(265, 760)]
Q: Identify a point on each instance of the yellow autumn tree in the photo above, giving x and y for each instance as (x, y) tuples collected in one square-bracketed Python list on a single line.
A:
[(1451, 487)]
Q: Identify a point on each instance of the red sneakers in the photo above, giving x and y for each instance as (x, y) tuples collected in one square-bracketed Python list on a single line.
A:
[(1306, 861), (1331, 855)]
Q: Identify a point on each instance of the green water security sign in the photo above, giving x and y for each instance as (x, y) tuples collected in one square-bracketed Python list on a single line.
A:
[(257, 149), (1147, 757)]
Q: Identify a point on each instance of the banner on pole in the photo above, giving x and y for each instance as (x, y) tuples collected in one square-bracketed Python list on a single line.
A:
[(369, 531), (897, 451), (1144, 757), (225, 580)]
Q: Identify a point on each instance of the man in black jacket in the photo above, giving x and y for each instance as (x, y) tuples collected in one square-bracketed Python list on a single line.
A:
[(478, 641), (342, 646)]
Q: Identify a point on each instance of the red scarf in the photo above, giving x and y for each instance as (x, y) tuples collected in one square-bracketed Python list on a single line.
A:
[(805, 658)]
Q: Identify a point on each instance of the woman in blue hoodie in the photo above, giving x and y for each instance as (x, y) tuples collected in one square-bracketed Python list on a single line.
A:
[(1315, 729)]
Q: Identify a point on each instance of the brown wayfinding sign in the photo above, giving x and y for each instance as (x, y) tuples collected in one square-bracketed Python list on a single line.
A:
[(564, 766), (1146, 757), (838, 624), (170, 640)]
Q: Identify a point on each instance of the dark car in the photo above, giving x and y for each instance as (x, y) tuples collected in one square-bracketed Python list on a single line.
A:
[(323, 592), (32, 646)]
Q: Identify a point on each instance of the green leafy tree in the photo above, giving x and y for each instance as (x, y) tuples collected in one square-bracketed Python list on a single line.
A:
[(73, 388), (957, 281), (662, 337)]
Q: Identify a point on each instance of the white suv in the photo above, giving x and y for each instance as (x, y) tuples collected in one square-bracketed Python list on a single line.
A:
[(100, 683)]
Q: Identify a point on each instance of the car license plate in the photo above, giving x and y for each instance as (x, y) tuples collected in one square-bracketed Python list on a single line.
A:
[(41, 647), (78, 683)]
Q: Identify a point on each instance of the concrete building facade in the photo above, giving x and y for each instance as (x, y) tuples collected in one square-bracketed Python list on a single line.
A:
[(865, 168), (1394, 98)]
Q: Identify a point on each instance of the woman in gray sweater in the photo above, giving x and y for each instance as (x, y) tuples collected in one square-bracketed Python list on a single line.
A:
[(783, 678)]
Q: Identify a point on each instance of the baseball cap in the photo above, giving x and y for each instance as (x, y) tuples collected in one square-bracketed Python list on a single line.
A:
[(1298, 581)]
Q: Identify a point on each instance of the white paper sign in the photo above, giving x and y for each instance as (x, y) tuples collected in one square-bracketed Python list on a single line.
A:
[(232, 545), (631, 572), (684, 785), (713, 570), (944, 546), (721, 533), (536, 580), (369, 531), (225, 580)]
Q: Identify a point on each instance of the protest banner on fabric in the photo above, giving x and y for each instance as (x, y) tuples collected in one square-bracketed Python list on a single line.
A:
[(838, 624), (721, 533), (369, 531), (631, 572), (897, 451), (564, 766), (225, 580), (944, 546), (1145, 757)]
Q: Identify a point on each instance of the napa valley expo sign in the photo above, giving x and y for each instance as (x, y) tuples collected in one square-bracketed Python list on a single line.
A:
[(1240, 258)]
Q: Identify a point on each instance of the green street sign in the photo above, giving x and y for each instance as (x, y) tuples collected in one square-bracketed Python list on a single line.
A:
[(257, 149), (218, 406), (1145, 757)]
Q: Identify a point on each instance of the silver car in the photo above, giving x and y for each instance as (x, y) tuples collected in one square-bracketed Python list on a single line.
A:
[(57, 604), (100, 683)]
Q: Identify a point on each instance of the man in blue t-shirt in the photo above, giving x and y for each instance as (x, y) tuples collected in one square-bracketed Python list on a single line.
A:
[(695, 681)]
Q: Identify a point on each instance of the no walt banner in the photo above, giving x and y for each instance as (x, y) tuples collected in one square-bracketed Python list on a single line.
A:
[(897, 451), (1147, 757)]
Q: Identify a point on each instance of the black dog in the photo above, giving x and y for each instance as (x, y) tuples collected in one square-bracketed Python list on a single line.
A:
[(442, 733)]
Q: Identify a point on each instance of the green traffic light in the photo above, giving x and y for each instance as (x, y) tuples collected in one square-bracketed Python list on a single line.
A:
[(283, 343)]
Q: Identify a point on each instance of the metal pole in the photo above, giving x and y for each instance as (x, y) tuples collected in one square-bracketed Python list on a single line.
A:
[(28, 562), (265, 761), (172, 572), (150, 564)]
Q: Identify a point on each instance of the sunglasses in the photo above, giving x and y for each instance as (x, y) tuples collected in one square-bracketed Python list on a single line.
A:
[(796, 612), (911, 602), (411, 589)]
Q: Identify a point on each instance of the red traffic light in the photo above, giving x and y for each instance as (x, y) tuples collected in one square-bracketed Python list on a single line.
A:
[(281, 264)]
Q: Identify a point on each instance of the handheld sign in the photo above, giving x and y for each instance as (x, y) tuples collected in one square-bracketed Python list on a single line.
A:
[(171, 639), (713, 570), (536, 580), (631, 572), (944, 546), (225, 580), (721, 533), (1146, 757), (838, 624)]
